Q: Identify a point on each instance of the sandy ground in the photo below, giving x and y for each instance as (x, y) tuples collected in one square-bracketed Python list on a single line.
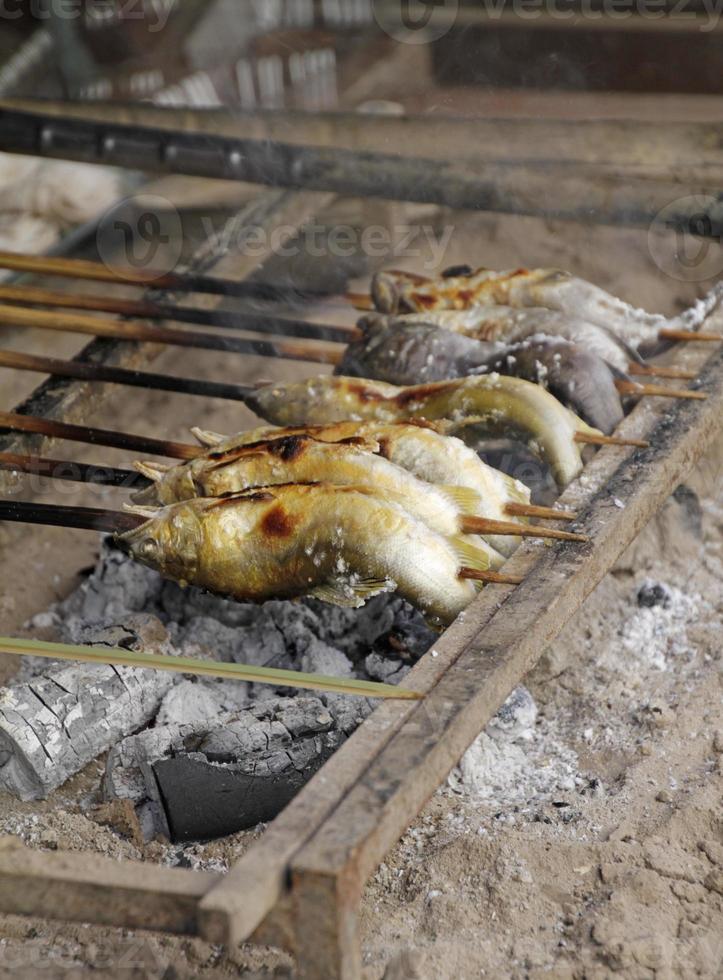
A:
[(587, 844)]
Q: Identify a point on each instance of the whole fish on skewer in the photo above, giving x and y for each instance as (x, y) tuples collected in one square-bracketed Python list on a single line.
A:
[(506, 325), (502, 405), (421, 448), (413, 354), (303, 459), (340, 544), (463, 287)]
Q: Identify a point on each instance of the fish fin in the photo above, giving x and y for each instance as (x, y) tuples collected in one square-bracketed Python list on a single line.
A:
[(205, 437), (517, 492), (147, 497), (149, 512), (351, 595), (468, 501), (151, 469), (471, 555)]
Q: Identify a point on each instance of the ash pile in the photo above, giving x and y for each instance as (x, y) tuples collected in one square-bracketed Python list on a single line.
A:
[(198, 758)]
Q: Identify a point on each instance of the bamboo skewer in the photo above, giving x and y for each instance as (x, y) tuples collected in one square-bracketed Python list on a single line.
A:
[(63, 469), (543, 513), (483, 525), (18, 316), (98, 437), (655, 371), (118, 657), (86, 371), (491, 578), (594, 439), (687, 336), (146, 309), (78, 518), (173, 281), (659, 391)]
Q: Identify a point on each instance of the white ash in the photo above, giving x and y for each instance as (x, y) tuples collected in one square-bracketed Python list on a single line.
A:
[(654, 635), (189, 703), (519, 759)]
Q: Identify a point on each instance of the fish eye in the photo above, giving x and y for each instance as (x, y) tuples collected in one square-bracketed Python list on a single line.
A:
[(148, 548)]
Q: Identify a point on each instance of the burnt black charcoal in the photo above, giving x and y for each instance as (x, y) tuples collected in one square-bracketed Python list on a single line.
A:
[(203, 800), (654, 594)]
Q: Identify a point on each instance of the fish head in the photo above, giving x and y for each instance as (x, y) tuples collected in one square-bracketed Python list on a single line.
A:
[(170, 540), (388, 289), (385, 292)]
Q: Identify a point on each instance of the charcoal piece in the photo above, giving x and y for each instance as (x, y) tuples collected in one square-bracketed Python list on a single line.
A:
[(124, 777), (203, 800), (52, 725), (654, 594), (382, 668), (201, 780)]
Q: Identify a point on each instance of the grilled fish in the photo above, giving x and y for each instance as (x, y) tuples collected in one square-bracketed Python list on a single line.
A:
[(421, 448), (405, 292), (339, 544), (503, 405), (506, 325), (302, 459), (405, 355)]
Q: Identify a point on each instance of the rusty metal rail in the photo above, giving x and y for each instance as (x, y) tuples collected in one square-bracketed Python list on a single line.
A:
[(541, 189)]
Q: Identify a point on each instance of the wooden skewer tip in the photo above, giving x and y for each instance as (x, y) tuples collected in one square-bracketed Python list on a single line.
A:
[(595, 439), (491, 578), (653, 371), (542, 513), (660, 391)]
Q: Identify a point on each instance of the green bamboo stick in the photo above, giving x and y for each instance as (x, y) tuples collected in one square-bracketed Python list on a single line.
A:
[(203, 668)]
